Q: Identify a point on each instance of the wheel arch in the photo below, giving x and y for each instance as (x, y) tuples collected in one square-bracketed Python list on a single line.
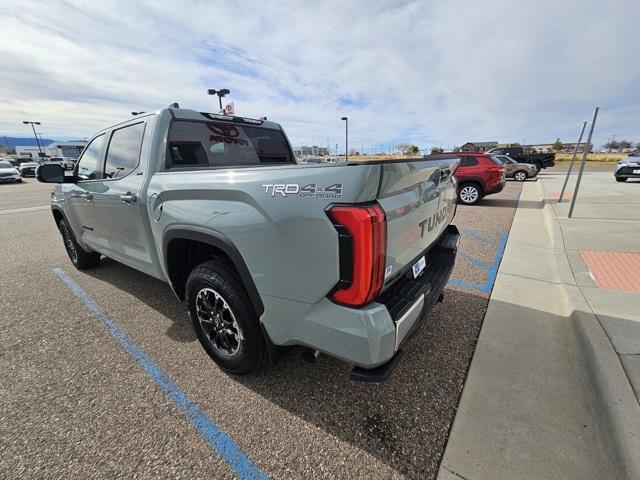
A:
[(471, 180), (185, 247), (58, 214)]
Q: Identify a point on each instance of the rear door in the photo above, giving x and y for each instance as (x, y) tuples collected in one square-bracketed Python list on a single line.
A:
[(122, 230), (410, 194)]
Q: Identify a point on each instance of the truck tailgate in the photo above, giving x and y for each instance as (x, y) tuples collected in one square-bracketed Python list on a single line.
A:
[(419, 201)]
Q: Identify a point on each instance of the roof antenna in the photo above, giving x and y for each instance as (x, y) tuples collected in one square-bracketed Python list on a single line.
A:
[(174, 105)]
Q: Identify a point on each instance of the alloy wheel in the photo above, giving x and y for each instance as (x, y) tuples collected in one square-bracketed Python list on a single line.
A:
[(218, 322), (469, 194)]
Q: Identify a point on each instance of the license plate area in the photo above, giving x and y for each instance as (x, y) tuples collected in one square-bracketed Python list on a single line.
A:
[(418, 267)]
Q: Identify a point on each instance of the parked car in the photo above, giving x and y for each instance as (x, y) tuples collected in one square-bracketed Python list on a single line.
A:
[(516, 170), (28, 169), (344, 259), (540, 160), (477, 175), (66, 162), (627, 168), (9, 173)]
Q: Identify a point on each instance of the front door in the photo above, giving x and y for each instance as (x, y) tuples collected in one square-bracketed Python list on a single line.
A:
[(122, 223), (79, 195)]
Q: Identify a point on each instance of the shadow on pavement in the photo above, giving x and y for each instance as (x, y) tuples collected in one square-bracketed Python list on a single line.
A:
[(404, 422), (509, 203), (152, 292)]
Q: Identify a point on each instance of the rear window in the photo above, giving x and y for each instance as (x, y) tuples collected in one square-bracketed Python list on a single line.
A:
[(219, 144), (496, 160)]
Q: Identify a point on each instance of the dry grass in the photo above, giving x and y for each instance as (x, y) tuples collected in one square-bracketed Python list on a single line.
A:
[(593, 157)]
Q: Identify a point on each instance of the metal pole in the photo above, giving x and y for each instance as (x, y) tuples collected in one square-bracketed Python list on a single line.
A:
[(346, 140), (35, 135), (587, 147), (573, 159)]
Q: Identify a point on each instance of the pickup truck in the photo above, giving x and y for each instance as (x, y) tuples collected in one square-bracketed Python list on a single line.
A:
[(540, 160), (343, 259)]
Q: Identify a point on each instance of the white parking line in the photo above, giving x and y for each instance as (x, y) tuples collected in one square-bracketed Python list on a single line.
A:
[(25, 209)]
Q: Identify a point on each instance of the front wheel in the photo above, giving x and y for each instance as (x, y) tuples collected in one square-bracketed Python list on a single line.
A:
[(224, 319), (520, 176), (80, 258), (469, 194)]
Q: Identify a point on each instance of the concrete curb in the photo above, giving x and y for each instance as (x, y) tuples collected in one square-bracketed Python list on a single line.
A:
[(614, 403)]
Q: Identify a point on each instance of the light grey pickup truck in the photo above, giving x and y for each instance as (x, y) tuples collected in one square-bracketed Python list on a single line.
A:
[(343, 259)]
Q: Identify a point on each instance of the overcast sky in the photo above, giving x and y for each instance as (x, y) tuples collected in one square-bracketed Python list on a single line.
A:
[(426, 72)]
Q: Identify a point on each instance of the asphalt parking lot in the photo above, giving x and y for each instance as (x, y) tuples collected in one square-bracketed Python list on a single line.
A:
[(76, 403)]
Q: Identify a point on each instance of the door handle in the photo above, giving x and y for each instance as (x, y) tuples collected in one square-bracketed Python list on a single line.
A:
[(86, 195), (128, 197)]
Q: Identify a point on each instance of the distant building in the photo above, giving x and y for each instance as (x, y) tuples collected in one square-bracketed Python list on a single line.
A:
[(55, 149), (314, 150), (478, 147)]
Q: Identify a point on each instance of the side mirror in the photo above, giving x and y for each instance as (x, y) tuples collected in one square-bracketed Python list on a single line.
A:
[(50, 173)]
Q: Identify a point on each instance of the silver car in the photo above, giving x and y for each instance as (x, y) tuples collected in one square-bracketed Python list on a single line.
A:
[(516, 170), (9, 173)]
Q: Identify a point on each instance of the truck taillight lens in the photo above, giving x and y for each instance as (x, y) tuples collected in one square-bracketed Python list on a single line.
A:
[(366, 224)]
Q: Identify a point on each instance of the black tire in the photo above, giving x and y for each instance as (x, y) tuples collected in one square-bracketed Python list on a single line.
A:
[(621, 179), (469, 193), (80, 258), (520, 175), (234, 313)]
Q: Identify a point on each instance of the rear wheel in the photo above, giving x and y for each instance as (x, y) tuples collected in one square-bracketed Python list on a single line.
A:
[(80, 258), (469, 194), (621, 179), (520, 176), (224, 319)]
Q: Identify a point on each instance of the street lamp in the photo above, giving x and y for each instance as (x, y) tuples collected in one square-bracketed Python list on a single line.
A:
[(34, 132), (346, 138), (220, 93)]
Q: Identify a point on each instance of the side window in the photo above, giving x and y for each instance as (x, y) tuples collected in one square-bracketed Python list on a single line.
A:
[(123, 153), (88, 163), (468, 162)]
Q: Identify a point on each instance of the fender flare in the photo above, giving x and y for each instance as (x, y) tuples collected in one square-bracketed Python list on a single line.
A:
[(221, 242)]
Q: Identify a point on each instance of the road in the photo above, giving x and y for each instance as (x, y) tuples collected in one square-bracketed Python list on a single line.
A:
[(74, 403)]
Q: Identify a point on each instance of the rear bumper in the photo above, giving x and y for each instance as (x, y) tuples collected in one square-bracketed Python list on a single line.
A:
[(370, 337)]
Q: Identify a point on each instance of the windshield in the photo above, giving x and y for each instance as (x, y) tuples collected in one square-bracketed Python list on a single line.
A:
[(5, 165), (218, 144)]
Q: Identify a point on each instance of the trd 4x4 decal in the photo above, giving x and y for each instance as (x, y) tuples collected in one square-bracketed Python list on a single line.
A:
[(311, 190)]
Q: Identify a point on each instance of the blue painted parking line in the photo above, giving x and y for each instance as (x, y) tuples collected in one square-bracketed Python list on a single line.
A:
[(217, 439), (492, 269)]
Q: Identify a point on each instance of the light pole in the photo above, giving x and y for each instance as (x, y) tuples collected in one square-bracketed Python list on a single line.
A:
[(220, 93), (346, 138), (34, 132)]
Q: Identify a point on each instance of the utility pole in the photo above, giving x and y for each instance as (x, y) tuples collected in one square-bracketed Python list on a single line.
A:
[(220, 93), (346, 138), (26, 122)]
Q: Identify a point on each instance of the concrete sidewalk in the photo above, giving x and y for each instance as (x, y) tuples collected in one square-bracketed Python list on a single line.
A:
[(550, 392)]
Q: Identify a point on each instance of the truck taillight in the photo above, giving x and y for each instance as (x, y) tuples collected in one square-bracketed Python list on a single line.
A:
[(367, 227)]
